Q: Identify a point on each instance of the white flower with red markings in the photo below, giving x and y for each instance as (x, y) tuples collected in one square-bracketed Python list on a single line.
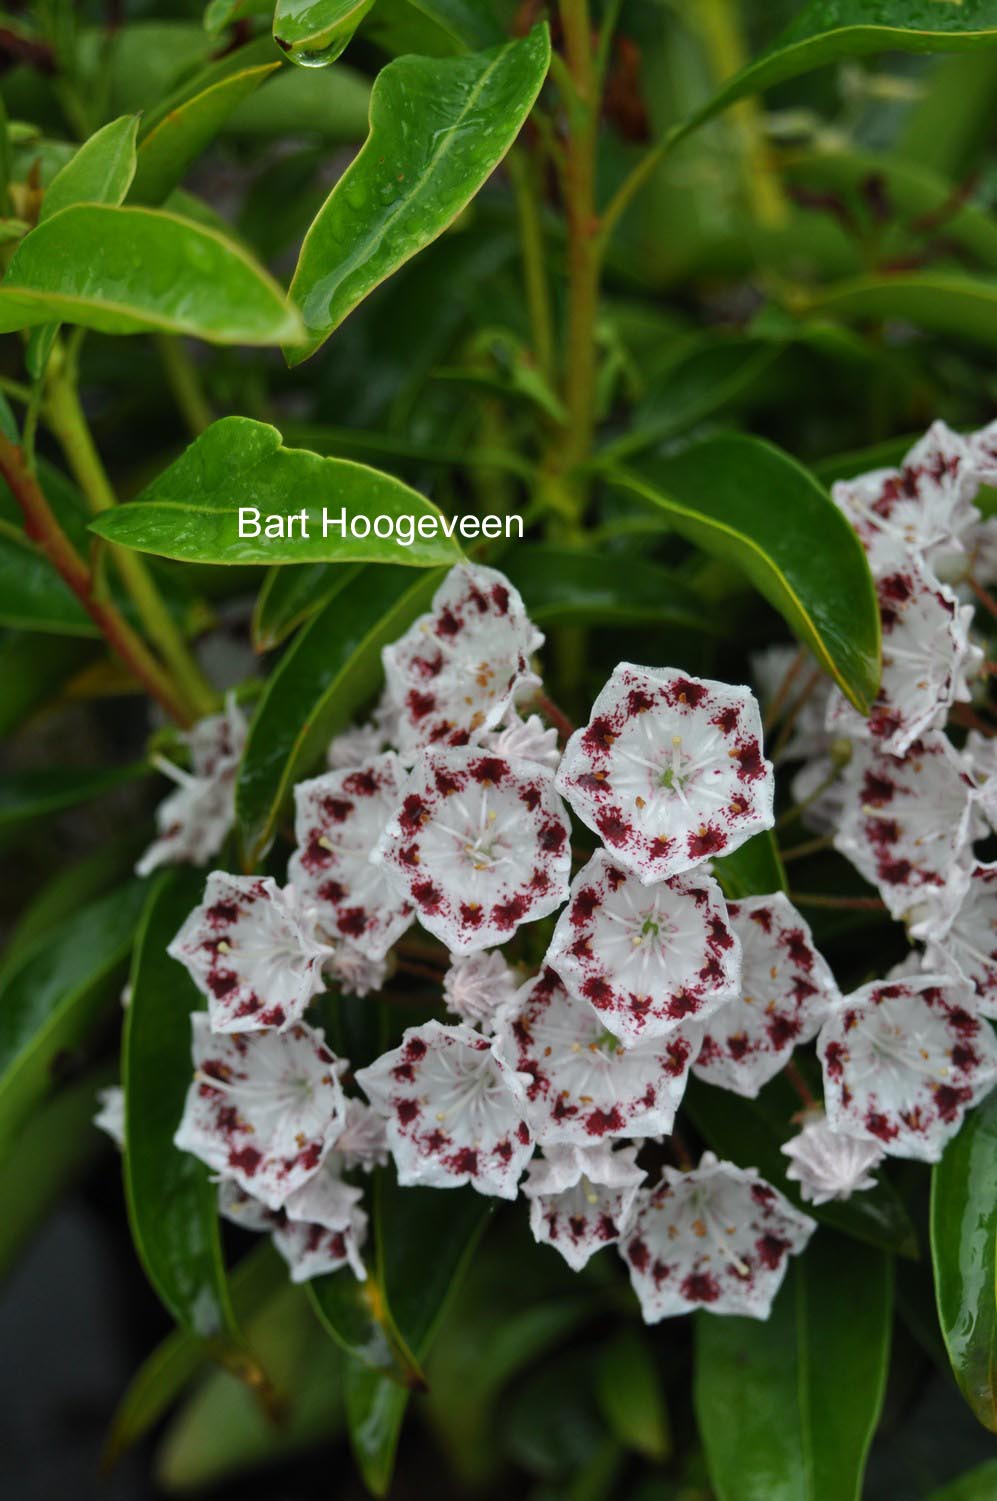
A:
[(528, 738), (479, 845), (240, 1208), (648, 958), (786, 989), (584, 1086), (352, 973), (983, 454), (194, 821), (252, 951), (830, 1164), (323, 1227), (718, 1238), (582, 1198), (904, 823), (477, 985), (110, 1117), (669, 770), (339, 817), (455, 672), (454, 1110), (927, 657), (363, 1141), (264, 1107), (924, 507), (903, 1060), (354, 747), (961, 932)]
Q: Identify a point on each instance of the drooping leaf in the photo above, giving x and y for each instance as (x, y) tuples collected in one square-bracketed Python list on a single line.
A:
[(192, 510), (290, 596), (32, 595), (945, 302), (315, 32), (30, 794), (438, 129), (964, 1254), (826, 31), (320, 682), (134, 270), (56, 994), (564, 587), (749, 503), (100, 172), (787, 1406)]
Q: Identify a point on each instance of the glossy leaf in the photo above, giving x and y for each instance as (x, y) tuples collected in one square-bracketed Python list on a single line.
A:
[(192, 509), (56, 995), (751, 504), (290, 596), (964, 1253), (942, 301), (756, 869), (562, 587), (826, 31), (27, 795), (100, 172), (322, 680), (33, 596), (134, 270), (315, 32), (787, 1407), (438, 129), (375, 1411)]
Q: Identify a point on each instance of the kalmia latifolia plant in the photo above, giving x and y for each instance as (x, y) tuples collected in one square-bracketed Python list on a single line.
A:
[(500, 793)]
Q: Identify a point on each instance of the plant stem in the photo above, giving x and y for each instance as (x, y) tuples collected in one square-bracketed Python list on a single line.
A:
[(800, 1084), (583, 226), (782, 693), (43, 528), (68, 423), (185, 383), (557, 716), (725, 46), (531, 246), (808, 847), (981, 594), (837, 903)]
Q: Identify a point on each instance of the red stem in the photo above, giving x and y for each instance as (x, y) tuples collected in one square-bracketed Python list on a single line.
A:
[(982, 595), (557, 717), (837, 903)]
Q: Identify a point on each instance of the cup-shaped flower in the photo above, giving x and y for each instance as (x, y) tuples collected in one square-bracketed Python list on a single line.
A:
[(264, 1107), (528, 738), (453, 1108), (830, 1164), (251, 950), (648, 958), (477, 985), (927, 656), (962, 940), (479, 845), (786, 989), (352, 973), (584, 1085), (983, 454), (455, 672), (339, 818), (323, 1226), (195, 819), (669, 770), (717, 1238), (905, 823), (363, 1141), (903, 1060), (582, 1198)]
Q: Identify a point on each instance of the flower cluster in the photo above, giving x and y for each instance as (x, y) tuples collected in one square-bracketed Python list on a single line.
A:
[(563, 1076)]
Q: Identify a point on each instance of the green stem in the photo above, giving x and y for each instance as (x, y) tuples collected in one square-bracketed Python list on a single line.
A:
[(534, 265), (721, 30), (184, 383), (15, 388), (583, 226), (68, 423)]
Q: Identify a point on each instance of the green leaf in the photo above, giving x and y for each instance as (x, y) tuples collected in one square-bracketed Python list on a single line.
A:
[(964, 1254), (787, 1407), (31, 794), (314, 32), (176, 132), (438, 129), (751, 504), (32, 671), (327, 103), (979, 1484), (756, 869), (564, 587), (631, 1395), (33, 596), (54, 997), (221, 13), (826, 31), (290, 596), (134, 270), (470, 22), (324, 677), (750, 1134), (375, 1410), (192, 509), (100, 172), (942, 301), (172, 1204)]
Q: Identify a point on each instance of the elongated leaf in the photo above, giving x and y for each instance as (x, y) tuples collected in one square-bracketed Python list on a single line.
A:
[(756, 869), (328, 103), (132, 270), (100, 172), (562, 587), (55, 996), (751, 504), (826, 31), (787, 1407), (320, 682), (193, 509), (964, 1253), (631, 1395), (290, 596), (750, 1133), (473, 23), (178, 130), (375, 1410), (27, 795), (438, 129), (315, 32), (71, 886), (33, 596), (942, 301)]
